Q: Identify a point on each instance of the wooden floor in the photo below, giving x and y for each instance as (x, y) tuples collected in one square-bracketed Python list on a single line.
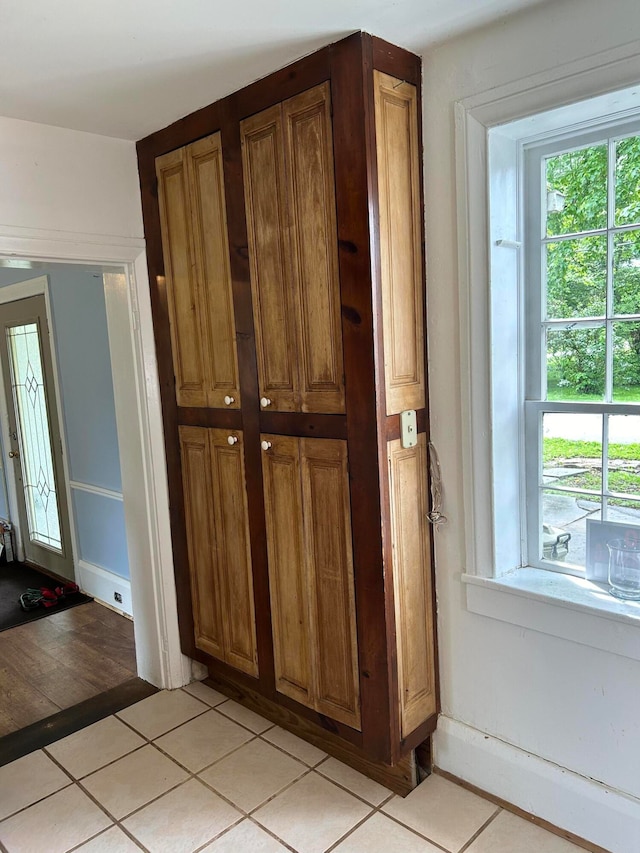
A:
[(55, 663)]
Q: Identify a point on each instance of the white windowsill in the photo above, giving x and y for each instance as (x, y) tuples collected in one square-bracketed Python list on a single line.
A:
[(560, 605)]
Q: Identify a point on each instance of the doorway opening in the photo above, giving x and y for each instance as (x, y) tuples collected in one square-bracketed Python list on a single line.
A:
[(61, 491)]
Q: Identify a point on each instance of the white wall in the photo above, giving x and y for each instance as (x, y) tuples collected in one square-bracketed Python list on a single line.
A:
[(66, 195), (530, 717), (64, 180)]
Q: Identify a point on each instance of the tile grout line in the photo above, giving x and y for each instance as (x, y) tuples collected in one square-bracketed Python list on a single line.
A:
[(479, 832)]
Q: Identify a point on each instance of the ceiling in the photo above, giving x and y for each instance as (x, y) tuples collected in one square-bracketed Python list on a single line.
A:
[(125, 68)]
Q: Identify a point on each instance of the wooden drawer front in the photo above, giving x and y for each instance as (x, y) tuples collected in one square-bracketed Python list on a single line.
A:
[(412, 582), (197, 274), (287, 575), (218, 542), (291, 221), (332, 613), (311, 574), (398, 157)]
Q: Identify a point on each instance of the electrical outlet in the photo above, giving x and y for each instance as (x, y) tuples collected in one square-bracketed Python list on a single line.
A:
[(117, 597)]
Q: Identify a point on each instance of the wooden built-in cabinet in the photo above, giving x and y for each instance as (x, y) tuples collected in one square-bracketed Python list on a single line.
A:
[(284, 233)]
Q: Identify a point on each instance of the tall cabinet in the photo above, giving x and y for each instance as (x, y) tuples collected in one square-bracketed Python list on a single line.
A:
[(284, 233)]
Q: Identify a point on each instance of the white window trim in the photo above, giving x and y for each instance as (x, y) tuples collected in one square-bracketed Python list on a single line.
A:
[(571, 608)]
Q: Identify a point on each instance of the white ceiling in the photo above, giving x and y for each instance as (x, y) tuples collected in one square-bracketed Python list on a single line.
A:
[(128, 67)]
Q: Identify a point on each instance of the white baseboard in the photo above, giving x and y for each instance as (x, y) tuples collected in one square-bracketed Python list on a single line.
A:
[(601, 815), (102, 585)]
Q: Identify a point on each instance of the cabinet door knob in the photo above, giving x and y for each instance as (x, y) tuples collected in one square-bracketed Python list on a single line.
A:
[(264, 402), (265, 445), (232, 439), (229, 400)]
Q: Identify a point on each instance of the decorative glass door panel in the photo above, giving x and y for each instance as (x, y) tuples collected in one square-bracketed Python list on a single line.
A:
[(34, 438), (34, 446)]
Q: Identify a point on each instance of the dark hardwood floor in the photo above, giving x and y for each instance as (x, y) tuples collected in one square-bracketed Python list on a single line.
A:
[(54, 663)]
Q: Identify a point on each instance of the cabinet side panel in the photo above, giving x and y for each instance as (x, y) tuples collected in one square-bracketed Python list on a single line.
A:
[(232, 539), (201, 546), (204, 159), (398, 156), (313, 235), (183, 295), (412, 582), (287, 580), (273, 303), (327, 518)]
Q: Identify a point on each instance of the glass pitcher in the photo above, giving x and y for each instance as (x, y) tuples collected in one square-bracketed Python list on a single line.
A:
[(624, 566)]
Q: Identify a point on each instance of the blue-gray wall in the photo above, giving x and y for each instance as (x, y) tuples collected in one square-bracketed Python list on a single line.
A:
[(79, 325)]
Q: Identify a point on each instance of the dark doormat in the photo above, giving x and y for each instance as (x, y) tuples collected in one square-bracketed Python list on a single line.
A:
[(16, 578)]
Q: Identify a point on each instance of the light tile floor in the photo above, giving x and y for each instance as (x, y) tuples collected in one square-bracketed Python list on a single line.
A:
[(190, 770)]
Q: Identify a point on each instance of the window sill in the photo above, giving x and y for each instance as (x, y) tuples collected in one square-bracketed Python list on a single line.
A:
[(560, 605)]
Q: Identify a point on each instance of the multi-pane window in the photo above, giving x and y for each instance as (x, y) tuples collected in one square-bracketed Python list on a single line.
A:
[(582, 341)]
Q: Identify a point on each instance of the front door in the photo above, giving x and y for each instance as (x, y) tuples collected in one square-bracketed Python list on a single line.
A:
[(35, 446)]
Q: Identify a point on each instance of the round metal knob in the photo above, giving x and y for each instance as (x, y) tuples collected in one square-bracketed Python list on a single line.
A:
[(232, 439), (229, 400), (264, 402), (13, 454), (265, 445)]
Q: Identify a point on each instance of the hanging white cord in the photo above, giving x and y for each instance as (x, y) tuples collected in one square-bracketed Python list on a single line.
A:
[(435, 516)]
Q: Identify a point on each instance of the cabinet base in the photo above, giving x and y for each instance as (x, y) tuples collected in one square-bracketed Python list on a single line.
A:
[(401, 778)]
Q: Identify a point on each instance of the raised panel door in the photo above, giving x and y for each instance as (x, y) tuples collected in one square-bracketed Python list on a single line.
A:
[(211, 249), (398, 158), (182, 288), (288, 581), (269, 258), (206, 595), (332, 617), (410, 539), (313, 247), (287, 153), (232, 549)]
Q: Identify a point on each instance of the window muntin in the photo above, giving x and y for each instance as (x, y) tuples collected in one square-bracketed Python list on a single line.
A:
[(582, 351)]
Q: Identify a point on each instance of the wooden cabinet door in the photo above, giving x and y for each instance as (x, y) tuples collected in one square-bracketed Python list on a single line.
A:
[(410, 539), (218, 545), (291, 221), (197, 274), (311, 574), (287, 566), (401, 273), (328, 552)]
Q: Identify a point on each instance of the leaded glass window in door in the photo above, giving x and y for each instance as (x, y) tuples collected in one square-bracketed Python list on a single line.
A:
[(34, 437)]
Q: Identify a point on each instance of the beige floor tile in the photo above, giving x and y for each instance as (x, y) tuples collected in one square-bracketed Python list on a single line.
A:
[(27, 780), (295, 746), (134, 780), (252, 774), (380, 834), (246, 837), (312, 814), (89, 749), (54, 825), (353, 781), (182, 820), (206, 694), (161, 712), (443, 812), (244, 716), (204, 740), (511, 834), (112, 841)]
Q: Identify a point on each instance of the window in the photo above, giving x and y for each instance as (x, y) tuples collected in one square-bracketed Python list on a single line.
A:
[(581, 202), (565, 332)]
